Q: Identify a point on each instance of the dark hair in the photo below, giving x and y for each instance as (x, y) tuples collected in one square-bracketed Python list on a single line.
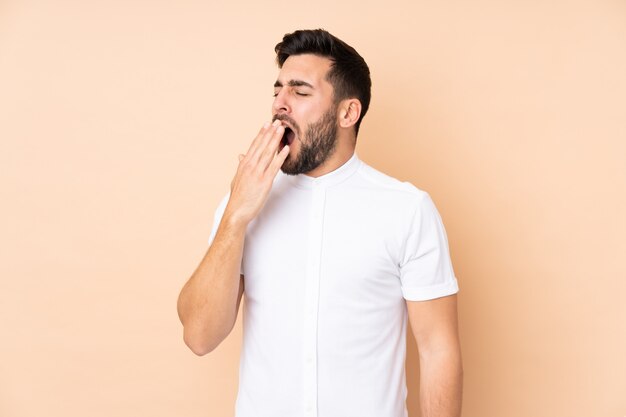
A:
[(349, 74)]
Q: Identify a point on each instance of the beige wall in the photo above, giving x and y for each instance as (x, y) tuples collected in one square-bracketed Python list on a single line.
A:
[(120, 125)]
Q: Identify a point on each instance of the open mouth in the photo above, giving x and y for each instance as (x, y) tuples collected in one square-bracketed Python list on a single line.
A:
[(288, 137)]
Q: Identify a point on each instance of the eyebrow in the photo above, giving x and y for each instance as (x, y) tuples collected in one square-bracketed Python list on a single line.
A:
[(294, 83)]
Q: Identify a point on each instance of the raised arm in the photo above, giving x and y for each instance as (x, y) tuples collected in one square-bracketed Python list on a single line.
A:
[(209, 301), (435, 326)]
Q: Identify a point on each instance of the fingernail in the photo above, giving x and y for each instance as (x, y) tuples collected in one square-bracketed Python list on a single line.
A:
[(276, 122), (266, 125)]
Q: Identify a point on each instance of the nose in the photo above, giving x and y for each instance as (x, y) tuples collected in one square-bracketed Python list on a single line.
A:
[(280, 104)]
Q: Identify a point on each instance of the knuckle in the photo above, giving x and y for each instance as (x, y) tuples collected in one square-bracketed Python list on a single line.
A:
[(244, 166)]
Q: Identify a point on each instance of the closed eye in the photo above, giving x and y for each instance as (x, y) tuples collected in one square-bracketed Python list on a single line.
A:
[(298, 93)]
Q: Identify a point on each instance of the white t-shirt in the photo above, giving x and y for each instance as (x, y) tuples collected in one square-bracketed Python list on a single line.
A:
[(328, 264)]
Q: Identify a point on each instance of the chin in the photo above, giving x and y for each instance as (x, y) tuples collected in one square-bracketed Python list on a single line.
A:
[(288, 167)]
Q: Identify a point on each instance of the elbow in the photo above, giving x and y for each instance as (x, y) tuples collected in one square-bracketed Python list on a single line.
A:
[(198, 350), (197, 342), (198, 345)]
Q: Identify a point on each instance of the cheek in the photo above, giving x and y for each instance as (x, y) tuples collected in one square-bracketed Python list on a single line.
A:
[(308, 110), (305, 116)]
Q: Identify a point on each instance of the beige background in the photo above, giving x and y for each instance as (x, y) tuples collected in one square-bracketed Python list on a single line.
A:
[(120, 125)]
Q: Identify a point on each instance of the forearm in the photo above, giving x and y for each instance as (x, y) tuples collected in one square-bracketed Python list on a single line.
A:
[(207, 305), (441, 384)]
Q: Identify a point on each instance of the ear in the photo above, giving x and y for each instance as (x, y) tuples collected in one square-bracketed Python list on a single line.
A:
[(349, 112)]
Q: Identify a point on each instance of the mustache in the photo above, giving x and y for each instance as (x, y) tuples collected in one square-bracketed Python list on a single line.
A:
[(286, 118)]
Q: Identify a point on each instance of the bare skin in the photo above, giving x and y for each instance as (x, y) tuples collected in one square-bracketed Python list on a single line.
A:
[(209, 301), (435, 326)]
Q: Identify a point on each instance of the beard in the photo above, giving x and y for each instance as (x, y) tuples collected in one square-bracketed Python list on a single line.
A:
[(316, 145)]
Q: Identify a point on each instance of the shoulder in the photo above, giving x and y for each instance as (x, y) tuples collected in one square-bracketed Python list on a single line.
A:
[(391, 187)]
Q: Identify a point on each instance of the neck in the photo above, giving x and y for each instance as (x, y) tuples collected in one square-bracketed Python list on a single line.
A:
[(343, 151)]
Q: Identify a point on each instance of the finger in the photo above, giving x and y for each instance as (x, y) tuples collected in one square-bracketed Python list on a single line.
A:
[(241, 156), (270, 150), (258, 139), (278, 161), (267, 154), (264, 140)]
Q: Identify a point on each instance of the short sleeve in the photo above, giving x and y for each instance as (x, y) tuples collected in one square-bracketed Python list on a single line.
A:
[(426, 269), (217, 218)]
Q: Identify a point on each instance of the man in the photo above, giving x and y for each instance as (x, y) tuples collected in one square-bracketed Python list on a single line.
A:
[(333, 255)]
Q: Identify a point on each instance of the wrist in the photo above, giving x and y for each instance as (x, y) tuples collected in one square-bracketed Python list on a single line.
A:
[(235, 221)]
